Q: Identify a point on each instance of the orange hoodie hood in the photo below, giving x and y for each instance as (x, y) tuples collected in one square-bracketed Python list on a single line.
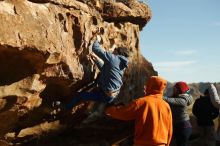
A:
[(155, 85)]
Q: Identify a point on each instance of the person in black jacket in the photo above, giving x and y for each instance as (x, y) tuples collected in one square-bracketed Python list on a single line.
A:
[(205, 112)]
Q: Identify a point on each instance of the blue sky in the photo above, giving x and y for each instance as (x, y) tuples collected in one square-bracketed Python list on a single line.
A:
[(182, 40)]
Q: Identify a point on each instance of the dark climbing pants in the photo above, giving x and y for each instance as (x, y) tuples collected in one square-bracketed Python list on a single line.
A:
[(97, 96), (181, 135)]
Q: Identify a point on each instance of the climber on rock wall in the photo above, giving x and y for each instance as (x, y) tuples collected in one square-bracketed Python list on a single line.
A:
[(112, 66)]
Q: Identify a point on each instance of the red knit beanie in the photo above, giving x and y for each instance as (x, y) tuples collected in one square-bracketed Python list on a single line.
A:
[(182, 87)]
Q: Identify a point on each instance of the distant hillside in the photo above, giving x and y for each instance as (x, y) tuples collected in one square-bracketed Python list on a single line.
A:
[(197, 89)]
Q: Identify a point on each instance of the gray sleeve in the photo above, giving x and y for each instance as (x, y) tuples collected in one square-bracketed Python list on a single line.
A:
[(214, 96), (188, 97), (181, 100)]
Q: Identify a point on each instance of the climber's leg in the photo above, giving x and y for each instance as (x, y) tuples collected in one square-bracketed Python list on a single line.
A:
[(84, 96)]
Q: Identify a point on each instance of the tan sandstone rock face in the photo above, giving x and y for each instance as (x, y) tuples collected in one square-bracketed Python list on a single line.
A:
[(44, 56)]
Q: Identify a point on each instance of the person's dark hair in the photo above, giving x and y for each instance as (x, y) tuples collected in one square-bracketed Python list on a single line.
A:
[(206, 92), (122, 51)]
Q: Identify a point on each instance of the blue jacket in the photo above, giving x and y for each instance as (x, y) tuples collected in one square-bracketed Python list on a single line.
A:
[(111, 71)]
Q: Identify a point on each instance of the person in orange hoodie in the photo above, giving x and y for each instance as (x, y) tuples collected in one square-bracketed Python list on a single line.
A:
[(152, 115)]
